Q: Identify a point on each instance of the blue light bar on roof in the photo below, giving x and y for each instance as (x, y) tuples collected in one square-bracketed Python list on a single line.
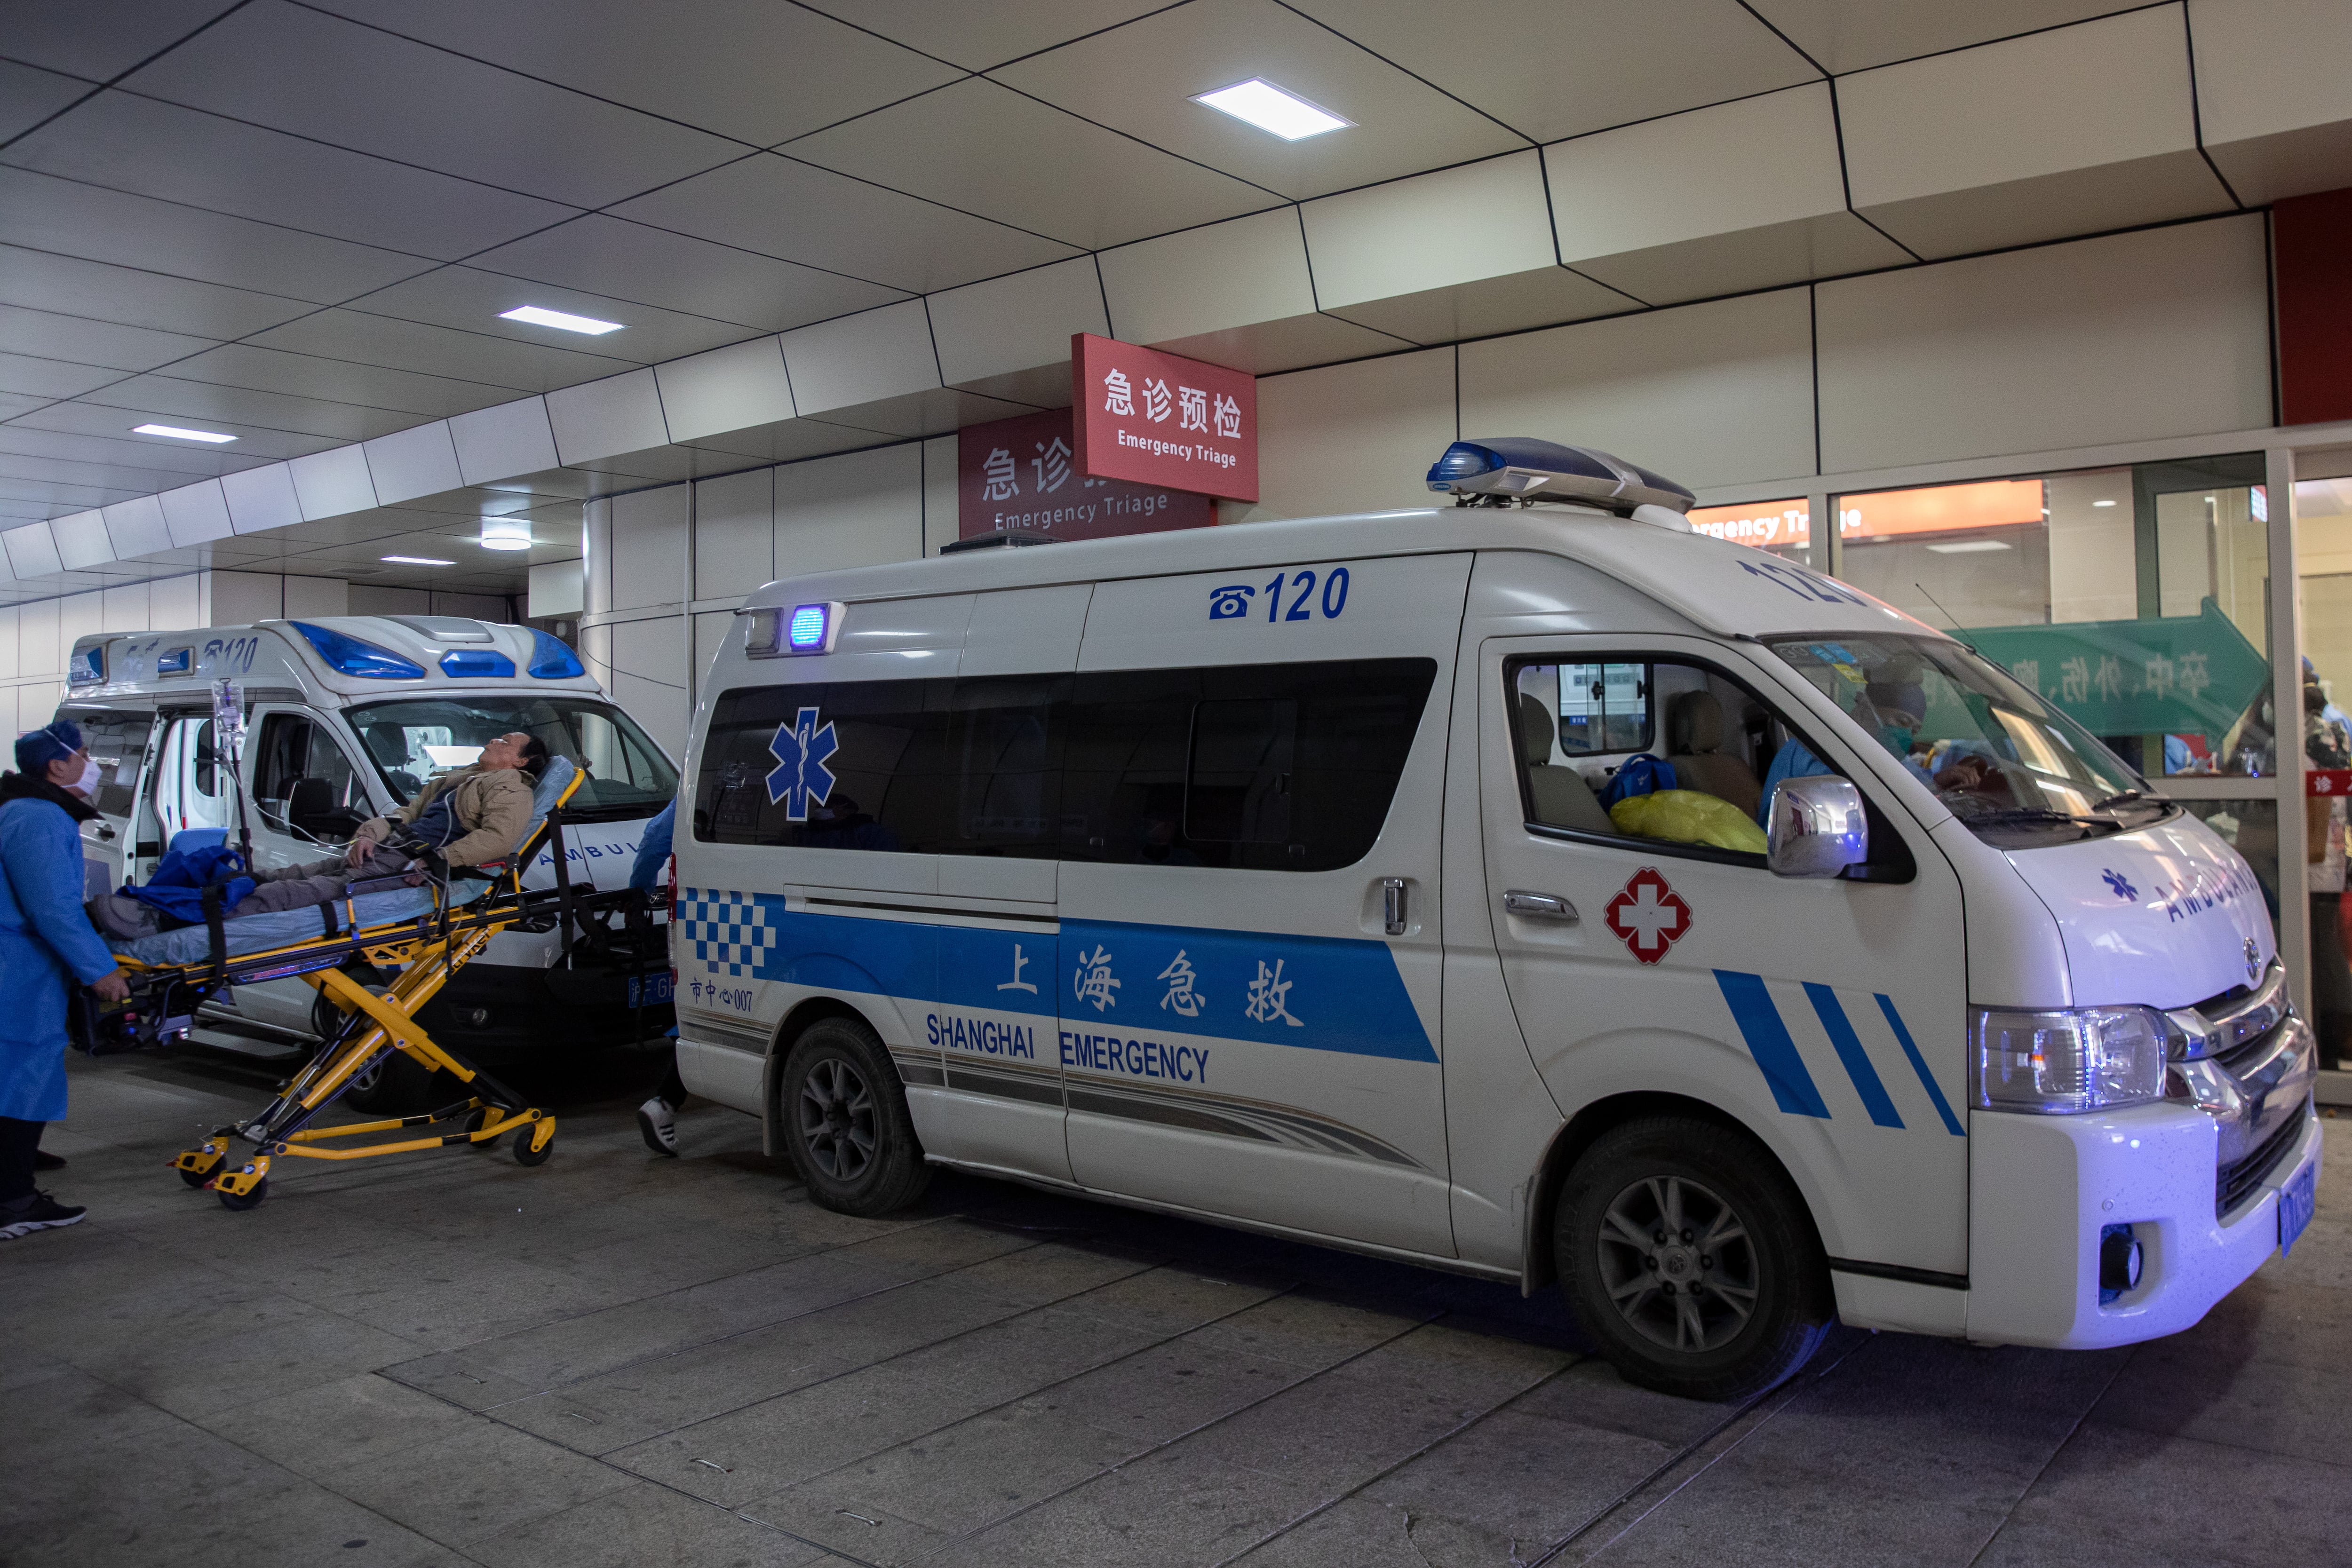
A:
[(174, 663), (551, 659), (467, 663), (349, 655), (1520, 465)]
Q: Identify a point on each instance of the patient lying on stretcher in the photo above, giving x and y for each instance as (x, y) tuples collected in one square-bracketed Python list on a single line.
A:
[(466, 818)]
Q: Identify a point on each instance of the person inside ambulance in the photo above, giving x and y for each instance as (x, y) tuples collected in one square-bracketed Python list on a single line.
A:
[(462, 819)]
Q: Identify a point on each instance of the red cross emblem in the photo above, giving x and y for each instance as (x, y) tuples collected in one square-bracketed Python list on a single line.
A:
[(1648, 916)]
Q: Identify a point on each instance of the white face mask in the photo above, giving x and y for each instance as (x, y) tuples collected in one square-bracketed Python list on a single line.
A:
[(87, 782)]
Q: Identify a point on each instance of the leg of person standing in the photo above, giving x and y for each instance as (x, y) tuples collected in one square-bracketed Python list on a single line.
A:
[(658, 1117)]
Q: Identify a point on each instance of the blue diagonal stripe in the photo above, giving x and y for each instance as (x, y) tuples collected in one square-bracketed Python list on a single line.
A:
[(1831, 1013), (1919, 1066), (1768, 1042)]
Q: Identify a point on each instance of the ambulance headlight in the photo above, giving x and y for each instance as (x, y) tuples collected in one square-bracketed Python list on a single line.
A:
[(2066, 1061)]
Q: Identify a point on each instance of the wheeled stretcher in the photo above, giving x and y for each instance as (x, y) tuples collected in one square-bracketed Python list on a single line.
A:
[(427, 934)]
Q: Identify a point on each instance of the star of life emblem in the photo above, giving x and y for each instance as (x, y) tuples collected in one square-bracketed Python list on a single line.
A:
[(1648, 916), (799, 778)]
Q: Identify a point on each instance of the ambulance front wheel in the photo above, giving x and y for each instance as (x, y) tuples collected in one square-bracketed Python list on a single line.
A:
[(845, 1121), (1687, 1254)]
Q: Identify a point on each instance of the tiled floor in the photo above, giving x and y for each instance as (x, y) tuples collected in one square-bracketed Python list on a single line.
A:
[(619, 1360)]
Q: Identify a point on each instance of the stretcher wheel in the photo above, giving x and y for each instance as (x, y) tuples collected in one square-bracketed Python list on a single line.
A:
[(474, 1122), (198, 1178), (526, 1155), (250, 1200)]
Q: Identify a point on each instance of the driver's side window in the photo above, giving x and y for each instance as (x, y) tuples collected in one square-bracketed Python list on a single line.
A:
[(304, 784)]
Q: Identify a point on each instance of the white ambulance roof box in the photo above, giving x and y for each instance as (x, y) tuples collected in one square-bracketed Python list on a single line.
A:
[(1520, 467)]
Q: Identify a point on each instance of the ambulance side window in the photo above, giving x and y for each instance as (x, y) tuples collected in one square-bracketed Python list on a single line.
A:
[(303, 782), (116, 739)]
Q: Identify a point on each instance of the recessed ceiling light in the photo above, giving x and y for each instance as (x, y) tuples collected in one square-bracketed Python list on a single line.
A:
[(415, 561), (1968, 547), (557, 319), (505, 533), (211, 436), (1284, 114), (2102, 503)]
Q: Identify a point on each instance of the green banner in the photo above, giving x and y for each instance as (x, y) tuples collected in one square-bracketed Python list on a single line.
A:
[(2187, 674)]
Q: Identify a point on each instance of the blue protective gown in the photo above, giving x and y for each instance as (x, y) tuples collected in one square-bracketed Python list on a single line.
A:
[(47, 943)]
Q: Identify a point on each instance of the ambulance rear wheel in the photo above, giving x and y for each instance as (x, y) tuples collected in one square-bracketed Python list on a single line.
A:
[(1686, 1251), (845, 1121)]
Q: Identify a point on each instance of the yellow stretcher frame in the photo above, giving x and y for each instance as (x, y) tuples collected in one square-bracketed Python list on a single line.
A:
[(428, 949)]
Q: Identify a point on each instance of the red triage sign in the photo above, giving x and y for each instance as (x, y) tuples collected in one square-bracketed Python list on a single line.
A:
[(1648, 916), (1154, 418)]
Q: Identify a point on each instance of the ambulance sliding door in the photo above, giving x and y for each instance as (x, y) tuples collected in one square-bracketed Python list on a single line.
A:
[(1249, 980)]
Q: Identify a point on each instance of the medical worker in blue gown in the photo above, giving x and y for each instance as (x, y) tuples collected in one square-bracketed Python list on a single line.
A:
[(47, 944)]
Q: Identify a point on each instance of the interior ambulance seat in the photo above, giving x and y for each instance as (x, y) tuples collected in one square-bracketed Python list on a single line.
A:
[(1695, 742), (1561, 796)]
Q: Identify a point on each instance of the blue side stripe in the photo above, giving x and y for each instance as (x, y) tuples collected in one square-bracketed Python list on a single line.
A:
[(1831, 1013), (1768, 1042), (1919, 1065)]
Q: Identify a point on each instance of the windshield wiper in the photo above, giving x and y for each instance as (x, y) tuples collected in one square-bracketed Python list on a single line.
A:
[(2028, 814), (2132, 797)]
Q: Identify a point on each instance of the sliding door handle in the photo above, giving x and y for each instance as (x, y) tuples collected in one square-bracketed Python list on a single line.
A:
[(1538, 905)]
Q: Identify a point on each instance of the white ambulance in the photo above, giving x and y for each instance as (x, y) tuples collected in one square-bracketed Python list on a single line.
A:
[(1276, 875), (345, 718)]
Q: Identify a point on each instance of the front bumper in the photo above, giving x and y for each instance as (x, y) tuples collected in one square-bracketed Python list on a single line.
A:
[(2041, 1189)]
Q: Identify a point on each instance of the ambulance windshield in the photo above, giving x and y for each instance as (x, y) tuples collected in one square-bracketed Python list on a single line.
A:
[(413, 739), (2018, 771)]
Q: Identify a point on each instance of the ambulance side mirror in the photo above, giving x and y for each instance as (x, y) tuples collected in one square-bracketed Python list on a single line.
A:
[(1816, 828)]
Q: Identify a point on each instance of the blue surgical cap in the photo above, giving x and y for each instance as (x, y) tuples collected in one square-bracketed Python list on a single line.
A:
[(36, 749)]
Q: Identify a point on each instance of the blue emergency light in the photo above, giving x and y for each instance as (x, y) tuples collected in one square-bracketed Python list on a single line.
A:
[(804, 634), (88, 664), (1520, 467), (174, 663), (467, 663), (349, 655), (551, 659)]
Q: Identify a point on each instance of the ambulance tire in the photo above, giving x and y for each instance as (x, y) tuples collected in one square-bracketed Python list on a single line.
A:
[(845, 1121), (399, 1085), (1763, 1302)]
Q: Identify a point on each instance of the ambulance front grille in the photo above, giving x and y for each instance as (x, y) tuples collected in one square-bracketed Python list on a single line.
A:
[(2238, 1181)]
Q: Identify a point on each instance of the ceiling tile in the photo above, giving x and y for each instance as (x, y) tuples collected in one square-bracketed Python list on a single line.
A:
[(51, 378), (1264, 348), (1401, 238), (2055, 206), (72, 286), (801, 213), (1854, 35), (1010, 325), (504, 441), (58, 497), (67, 479), (102, 41), (113, 422), (1139, 79), (2274, 99), (179, 154), (120, 462), (14, 403), (472, 301), (46, 213), (299, 70), (1830, 246), (47, 335), (599, 419), (338, 381), (622, 260), (789, 440), (28, 95), (862, 359), (332, 483), (419, 461), (1511, 302), (267, 418), (428, 349), (261, 498), (1634, 58), (987, 149), (1250, 270), (197, 514), (726, 388), (722, 73), (978, 36)]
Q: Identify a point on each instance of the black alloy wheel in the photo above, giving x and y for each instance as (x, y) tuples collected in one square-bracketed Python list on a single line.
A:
[(845, 1121)]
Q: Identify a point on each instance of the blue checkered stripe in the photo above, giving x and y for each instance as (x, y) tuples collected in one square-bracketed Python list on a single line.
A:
[(729, 931)]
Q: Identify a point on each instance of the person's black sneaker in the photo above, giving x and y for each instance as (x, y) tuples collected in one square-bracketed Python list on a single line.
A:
[(35, 1211), (44, 1161)]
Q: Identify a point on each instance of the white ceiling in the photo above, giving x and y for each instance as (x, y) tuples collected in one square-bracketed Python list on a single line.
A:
[(296, 221)]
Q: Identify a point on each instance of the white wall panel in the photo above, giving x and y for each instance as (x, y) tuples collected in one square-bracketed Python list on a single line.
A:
[(125, 609), (606, 418), (733, 388), (2127, 338), (734, 534), (241, 598), (710, 629), (500, 442), (864, 357), (1348, 438), (942, 519), (80, 616), (261, 498), (82, 539), (558, 591), (2274, 94), (307, 596), (2074, 129), (367, 598), (37, 639), (419, 461), (649, 547), (177, 603), (136, 527), (1716, 393), (332, 484), (9, 662), (197, 514), (649, 677), (1209, 278), (32, 552), (991, 330), (858, 510)]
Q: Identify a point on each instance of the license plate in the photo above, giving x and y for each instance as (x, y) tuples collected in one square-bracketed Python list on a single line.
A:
[(2297, 1198), (651, 990)]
